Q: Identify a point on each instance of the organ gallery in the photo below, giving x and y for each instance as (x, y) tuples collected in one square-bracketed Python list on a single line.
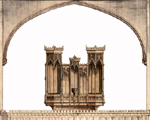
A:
[(74, 85)]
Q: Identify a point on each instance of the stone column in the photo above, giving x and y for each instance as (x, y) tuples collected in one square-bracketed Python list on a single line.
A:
[(148, 58), (1, 57)]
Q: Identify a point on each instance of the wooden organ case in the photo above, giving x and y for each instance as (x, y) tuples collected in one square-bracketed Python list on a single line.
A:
[(74, 85)]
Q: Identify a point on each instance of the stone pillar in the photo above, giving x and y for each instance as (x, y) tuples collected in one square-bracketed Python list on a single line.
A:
[(1, 57), (148, 58)]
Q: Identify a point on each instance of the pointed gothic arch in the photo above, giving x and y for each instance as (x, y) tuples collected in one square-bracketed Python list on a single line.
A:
[(70, 3)]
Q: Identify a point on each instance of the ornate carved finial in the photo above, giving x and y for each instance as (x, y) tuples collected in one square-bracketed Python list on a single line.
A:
[(95, 48), (104, 47), (74, 57), (54, 46)]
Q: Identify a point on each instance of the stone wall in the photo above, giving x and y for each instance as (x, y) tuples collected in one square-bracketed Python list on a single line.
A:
[(75, 115)]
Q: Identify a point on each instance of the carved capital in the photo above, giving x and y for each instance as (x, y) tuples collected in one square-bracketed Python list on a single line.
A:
[(144, 61), (3, 113), (4, 61)]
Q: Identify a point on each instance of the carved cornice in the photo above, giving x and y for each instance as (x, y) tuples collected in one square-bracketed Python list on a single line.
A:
[(96, 48), (54, 48)]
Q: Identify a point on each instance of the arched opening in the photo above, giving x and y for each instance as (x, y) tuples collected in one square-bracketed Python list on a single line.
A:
[(113, 59)]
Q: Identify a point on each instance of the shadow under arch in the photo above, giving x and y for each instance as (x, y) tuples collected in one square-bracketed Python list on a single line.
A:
[(144, 59)]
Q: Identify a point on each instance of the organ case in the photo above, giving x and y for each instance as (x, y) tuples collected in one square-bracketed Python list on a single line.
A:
[(74, 85)]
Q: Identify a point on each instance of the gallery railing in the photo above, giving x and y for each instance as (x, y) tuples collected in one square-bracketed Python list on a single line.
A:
[(76, 115)]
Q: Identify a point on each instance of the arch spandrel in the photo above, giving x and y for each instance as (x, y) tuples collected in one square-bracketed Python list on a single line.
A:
[(132, 13)]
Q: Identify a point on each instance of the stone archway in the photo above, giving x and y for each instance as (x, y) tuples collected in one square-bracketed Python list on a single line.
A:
[(70, 3)]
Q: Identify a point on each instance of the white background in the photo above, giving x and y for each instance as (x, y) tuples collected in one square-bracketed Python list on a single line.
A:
[(74, 27)]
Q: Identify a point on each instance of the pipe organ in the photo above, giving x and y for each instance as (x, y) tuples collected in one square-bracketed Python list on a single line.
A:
[(74, 85)]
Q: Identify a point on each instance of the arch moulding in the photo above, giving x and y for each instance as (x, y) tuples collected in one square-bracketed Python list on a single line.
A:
[(28, 18)]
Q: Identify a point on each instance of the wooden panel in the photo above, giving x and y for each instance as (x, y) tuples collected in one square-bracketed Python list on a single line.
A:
[(46, 78), (100, 79), (50, 78), (76, 78), (58, 78), (90, 79), (81, 84), (64, 85), (55, 80), (85, 84), (67, 84), (97, 78), (93, 79), (72, 78)]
